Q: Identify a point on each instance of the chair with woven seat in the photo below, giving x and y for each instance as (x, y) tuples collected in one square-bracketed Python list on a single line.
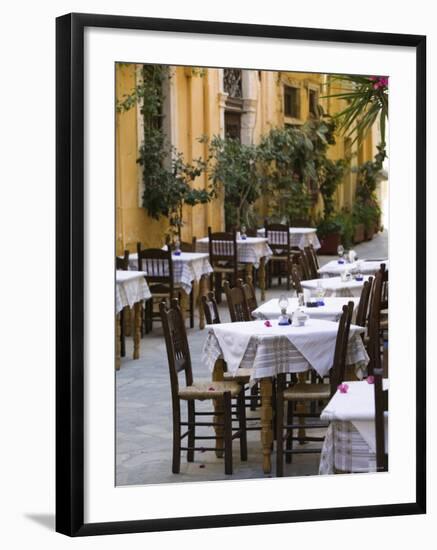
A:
[(295, 277), (223, 257), (185, 246), (179, 360), (303, 392), (278, 237), (158, 264), (122, 264), (237, 304), (363, 304), (312, 261), (249, 295)]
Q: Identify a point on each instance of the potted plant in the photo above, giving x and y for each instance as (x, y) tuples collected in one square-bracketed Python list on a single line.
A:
[(329, 231)]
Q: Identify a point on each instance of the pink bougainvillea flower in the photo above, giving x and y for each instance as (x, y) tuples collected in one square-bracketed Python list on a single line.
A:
[(370, 379), (373, 78), (267, 323), (383, 80), (211, 388), (342, 388)]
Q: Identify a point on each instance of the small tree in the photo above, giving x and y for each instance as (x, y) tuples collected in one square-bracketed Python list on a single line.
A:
[(235, 166)]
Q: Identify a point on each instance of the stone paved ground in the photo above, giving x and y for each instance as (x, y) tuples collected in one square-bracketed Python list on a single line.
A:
[(144, 419)]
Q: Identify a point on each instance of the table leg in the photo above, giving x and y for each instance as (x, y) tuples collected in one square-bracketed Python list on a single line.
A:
[(266, 422), (117, 341), (301, 408), (217, 376), (262, 277), (203, 290), (137, 329), (184, 303)]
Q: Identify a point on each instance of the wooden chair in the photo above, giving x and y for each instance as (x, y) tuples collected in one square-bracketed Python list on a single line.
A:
[(278, 237), (295, 277), (237, 304), (312, 261), (306, 393), (304, 267), (210, 309), (363, 305), (123, 265), (249, 295), (185, 246), (381, 406), (375, 329), (223, 257), (158, 265), (179, 360)]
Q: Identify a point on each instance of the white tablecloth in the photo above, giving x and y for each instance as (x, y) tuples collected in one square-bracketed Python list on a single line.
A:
[(333, 286), (331, 311), (249, 250), (350, 442), (299, 236), (333, 268), (130, 288), (277, 349), (187, 267)]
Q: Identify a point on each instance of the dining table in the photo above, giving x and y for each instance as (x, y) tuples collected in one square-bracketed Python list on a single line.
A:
[(350, 445), (336, 286), (334, 268), (252, 251), (329, 308), (130, 290), (299, 237), (189, 269), (267, 349)]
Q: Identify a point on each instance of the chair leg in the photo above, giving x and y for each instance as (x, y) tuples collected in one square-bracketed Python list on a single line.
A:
[(192, 307), (122, 335), (242, 424), (280, 430), (218, 287), (227, 436), (191, 430), (176, 464), (289, 442)]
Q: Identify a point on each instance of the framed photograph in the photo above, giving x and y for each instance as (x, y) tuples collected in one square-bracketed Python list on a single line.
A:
[(231, 199)]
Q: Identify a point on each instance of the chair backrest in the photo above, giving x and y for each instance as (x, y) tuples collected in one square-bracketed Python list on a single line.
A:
[(122, 263), (176, 343), (375, 319), (210, 309), (158, 265), (295, 277), (312, 261), (278, 237), (236, 303), (363, 305), (337, 371), (304, 267), (248, 294), (222, 247), (381, 406)]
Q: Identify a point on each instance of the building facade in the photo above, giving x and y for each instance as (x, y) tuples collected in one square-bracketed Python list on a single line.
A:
[(243, 104)]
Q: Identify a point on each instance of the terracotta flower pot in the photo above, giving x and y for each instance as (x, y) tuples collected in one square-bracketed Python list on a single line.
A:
[(329, 244), (369, 232), (359, 233)]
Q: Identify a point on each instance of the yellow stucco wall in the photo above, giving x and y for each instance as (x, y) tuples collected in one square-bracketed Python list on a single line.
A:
[(196, 100)]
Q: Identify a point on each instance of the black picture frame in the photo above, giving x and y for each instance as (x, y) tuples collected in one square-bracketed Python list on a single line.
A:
[(70, 272)]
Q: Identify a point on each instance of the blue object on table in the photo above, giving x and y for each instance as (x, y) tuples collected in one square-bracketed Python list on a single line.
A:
[(340, 261), (177, 252), (284, 322), (359, 278), (243, 237), (320, 303)]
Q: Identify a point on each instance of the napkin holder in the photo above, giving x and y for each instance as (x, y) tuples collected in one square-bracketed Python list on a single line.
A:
[(299, 318)]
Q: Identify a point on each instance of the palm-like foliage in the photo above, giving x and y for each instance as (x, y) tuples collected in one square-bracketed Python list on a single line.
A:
[(367, 102)]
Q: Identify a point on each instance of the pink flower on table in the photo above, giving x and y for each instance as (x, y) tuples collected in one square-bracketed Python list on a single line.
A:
[(267, 323), (211, 388), (342, 388), (370, 379)]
